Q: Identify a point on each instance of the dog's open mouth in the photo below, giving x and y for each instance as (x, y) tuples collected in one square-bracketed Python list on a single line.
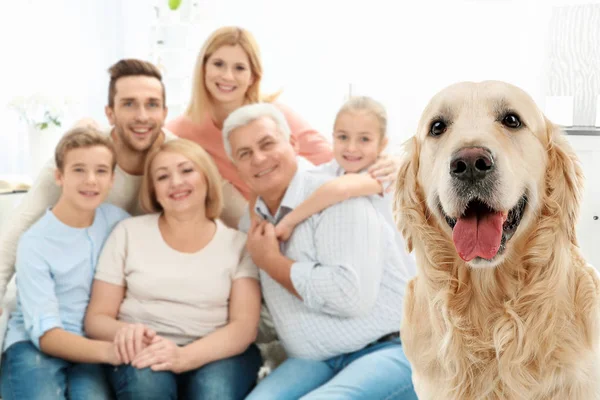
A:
[(482, 231)]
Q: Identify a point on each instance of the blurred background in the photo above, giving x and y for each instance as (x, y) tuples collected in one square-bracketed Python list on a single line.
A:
[(318, 52)]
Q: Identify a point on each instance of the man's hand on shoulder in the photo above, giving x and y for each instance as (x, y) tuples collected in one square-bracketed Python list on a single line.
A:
[(262, 243), (263, 247)]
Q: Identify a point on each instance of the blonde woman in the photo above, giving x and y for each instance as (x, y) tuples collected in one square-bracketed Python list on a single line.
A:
[(175, 289), (227, 76)]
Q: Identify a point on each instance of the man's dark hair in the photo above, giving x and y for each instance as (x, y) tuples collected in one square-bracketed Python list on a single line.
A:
[(132, 67)]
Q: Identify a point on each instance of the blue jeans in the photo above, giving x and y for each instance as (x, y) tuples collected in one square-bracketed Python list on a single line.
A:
[(29, 374), (379, 371), (230, 378)]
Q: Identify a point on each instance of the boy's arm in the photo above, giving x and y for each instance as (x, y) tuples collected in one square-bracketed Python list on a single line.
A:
[(41, 315), (43, 194), (335, 191), (71, 347)]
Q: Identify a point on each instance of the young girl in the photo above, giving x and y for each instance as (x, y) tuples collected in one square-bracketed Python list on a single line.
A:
[(359, 138), (46, 355)]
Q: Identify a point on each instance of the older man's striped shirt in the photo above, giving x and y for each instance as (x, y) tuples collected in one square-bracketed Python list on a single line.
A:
[(347, 269)]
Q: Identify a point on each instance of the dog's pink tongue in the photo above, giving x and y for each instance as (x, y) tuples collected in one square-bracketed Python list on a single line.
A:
[(481, 235)]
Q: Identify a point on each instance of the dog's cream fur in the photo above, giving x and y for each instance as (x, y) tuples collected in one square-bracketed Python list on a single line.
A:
[(526, 324)]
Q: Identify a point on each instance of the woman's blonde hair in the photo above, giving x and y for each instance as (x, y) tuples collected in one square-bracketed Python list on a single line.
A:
[(197, 155), (368, 105), (225, 36)]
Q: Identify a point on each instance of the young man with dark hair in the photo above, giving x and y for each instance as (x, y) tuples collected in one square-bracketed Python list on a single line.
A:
[(136, 111)]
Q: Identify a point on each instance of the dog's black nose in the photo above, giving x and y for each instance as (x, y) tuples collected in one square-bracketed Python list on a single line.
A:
[(471, 164)]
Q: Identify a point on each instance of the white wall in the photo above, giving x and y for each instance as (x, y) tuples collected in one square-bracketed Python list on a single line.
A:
[(588, 228), (400, 54), (56, 48), (60, 47), (314, 50)]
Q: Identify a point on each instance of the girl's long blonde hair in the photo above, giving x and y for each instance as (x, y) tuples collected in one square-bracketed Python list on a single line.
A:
[(225, 36)]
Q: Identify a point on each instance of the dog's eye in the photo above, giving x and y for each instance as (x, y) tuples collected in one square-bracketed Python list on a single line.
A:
[(437, 128), (511, 121)]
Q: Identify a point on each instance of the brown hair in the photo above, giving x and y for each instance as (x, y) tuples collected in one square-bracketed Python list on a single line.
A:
[(368, 105), (225, 36), (82, 137), (197, 155), (132, 67)]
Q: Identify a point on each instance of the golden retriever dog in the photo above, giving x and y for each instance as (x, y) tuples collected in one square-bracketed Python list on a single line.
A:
[(503, 306)]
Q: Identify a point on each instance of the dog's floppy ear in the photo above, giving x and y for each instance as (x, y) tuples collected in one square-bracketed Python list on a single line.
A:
[(408, 199), (564, 179)]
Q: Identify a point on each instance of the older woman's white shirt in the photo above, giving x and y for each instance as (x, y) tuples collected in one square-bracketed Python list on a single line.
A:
[(182, 296)]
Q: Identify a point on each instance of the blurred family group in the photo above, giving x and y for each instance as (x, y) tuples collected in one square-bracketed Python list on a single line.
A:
[(152, 257)]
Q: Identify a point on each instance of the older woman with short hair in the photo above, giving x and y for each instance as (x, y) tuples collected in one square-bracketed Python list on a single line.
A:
[(176, 290)]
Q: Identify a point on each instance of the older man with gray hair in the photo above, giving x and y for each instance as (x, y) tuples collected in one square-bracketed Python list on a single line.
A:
[(334, 289)]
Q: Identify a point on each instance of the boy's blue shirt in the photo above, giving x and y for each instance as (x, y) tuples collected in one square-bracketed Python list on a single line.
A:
[(55, 268)]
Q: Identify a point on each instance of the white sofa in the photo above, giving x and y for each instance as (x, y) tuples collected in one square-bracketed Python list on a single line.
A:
[(8, 305), (10, 300), (7, 204)]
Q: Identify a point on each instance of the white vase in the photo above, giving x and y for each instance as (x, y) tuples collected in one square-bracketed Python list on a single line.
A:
[(42, 144)]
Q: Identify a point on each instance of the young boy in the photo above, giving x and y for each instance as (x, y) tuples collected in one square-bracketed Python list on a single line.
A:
[(46, 355), (359, 138)]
